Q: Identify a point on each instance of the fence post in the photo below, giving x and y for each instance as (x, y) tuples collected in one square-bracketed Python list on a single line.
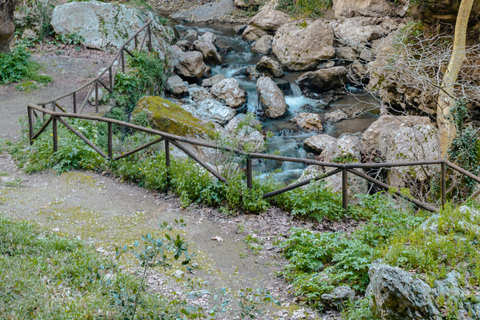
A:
[(249, 173), (74, 102), (109, 143), (96, 96), (110, 78), (122, 57), (30, 124), (344, 189), (444, 183), (136, 41), (54, 134), (149, 37), (54, 107), (43, 113)]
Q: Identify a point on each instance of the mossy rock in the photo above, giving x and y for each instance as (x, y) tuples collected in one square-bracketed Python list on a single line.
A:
[(166, 116)]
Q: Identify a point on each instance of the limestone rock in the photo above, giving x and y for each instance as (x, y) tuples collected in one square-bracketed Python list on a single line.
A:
[(367, 55), (358, 69), (106, 26), (252, 73), (190, 35), (247, 3), (271, 66), (308, 121), (339, 297), (213, 110), (230, 91), (208, 50), (335, 116), (245, 134), (176, 85), (346, 53), (213, 80), (209, 37), (368, 8), (7, 25), (270, 20), (397, 295), (301, 46), (271, 97), (199, 94), (356, 31), (263, 45), (324, 79), (252, 33), (240, 28), (189, 65)]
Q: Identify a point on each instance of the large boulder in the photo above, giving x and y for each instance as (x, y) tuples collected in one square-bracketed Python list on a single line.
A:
[(7, 26), (324, 79), (388, 136), (106, 26), (229, 91), (176, 85), (302, 45), (271, 97), (213, 80), (166, 116), (263, 45), (213, 110), (189, 65), (208, 50), (357, 31), (308, 121), (199, 93), (368, 8), (270, 66), (252, 33), (396, 294), (270, 20)]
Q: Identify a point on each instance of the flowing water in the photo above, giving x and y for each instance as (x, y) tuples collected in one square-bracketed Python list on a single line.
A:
[(288, 138)]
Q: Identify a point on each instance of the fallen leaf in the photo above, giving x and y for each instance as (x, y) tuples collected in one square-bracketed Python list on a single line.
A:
[(217, 238)]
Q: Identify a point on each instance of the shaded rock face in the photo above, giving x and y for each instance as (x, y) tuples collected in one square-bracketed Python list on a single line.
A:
[(367, 8), (263, 45), (229, 91), (301, 46), (270, 66), (190, 36), (308, 121), (271, 97), (270, 20), (397, 295), (176, 85), (106, 26), (252, 33), (208, 50), (388, 135), (188, 65), (7, 26), (324, 79)]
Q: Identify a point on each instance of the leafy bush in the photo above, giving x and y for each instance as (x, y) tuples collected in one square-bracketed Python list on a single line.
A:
[(70, 38)]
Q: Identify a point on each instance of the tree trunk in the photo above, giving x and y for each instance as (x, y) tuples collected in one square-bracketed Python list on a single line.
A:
[(7, 27), (446, 97)]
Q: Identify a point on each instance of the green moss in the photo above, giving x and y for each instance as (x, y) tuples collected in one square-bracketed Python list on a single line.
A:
[(166, 116)]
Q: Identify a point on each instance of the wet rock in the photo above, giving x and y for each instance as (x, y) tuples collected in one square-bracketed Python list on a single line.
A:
[(368, 8), (199, 94), (356, 31), (271, 97), (397, 295), (339, 297), (240, 28), (213, 110), (301, 46), (246, 133), (252, 73), (270, 20), (346, 53), (367, 55), (308, 121), (387, 135), (106, 26), (190, 35), (213, 80), (208, 50), (263, 45), (188, 65), (252, 33), (230, 91), (335, 116), (324, 80), (176, 85), (209, 37), (271, 66)]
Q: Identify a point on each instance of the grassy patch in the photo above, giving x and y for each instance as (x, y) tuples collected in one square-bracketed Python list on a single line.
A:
[(304, 8)]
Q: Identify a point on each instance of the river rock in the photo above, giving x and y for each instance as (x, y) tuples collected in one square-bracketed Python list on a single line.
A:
[(346, 53), (106, 26), (199, 94), (190, 35), (339, 297), (213, 110), (324, 79), (240, 28), (367, 55), (209, 37), (189, 65), (246, 134), (359, 71), (213, 80), (368, 8), (270, 20), (252, 73), (252, 33), (271, 97), (208, 50), (230, 91), (271, 66), (176, 85), (396, 294), (387, 135), (308, 121), (263, 45), (356, 31), (335, 116), (301, 46)]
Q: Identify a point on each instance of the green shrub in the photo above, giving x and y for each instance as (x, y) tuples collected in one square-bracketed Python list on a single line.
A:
[(304, 8)]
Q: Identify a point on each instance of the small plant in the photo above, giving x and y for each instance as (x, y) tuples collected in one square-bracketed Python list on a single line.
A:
[(250, 300), (17, 182), (70, 38)]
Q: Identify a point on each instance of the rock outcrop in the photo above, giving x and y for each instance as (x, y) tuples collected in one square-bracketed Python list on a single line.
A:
[(324, 79), (229, 91), (270, 20), (272, 98), (189, 65), (7, 25), (367, 8), (302, 45)]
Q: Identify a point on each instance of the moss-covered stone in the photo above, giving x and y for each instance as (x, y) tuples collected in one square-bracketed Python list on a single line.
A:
[(166, 116)]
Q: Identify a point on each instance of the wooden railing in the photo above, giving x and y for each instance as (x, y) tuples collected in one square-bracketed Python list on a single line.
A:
[(108, 75), (167, 138)]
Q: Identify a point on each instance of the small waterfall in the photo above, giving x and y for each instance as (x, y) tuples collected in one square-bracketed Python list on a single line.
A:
[(297, 92)]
